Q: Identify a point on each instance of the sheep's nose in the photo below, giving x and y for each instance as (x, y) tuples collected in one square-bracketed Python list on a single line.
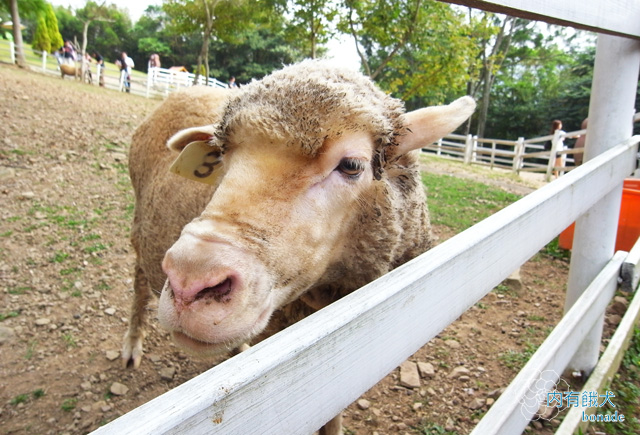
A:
[(219, 290), (196, 271)]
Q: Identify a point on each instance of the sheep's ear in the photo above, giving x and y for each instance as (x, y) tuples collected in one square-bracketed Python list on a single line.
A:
[(181, 139), (429, 124)]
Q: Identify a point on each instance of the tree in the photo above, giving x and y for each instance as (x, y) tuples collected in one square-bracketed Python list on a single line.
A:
[(540, 81), (41, 40), (312, 22), (209, 18), (259, 50), (90, 13), (415, 49), (17, 34), (52, 26), (493, 48)]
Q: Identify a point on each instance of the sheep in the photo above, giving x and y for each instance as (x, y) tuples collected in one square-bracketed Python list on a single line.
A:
[(69, 70), (75, 71), (310, 190)]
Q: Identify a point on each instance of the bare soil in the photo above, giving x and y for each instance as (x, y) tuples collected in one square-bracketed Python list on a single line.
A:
[(66, 281)]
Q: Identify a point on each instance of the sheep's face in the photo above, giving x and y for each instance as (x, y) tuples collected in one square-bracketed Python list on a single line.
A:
[(298, 155), (276, 221)]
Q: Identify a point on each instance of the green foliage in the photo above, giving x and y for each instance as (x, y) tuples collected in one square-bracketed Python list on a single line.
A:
[(51, 21), (41, 40), (416, 49), (149, 46), (541, 81), (312, 22)]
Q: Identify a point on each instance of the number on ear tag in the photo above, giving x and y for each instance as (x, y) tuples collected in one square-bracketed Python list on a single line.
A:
[(198, 161)]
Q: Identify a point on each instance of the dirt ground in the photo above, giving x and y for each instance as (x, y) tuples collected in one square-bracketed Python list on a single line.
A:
[(66, 282)]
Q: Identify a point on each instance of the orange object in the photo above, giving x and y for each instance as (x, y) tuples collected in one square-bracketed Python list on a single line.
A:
[(628, 224)]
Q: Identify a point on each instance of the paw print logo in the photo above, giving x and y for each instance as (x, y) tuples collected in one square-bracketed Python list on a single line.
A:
[(544, 399)]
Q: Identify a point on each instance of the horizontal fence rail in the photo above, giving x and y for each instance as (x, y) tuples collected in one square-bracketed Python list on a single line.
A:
[(300, 378), (511, 413), (609, 363)]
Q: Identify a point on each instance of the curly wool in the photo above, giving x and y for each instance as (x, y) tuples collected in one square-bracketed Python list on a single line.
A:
[(305, 104)]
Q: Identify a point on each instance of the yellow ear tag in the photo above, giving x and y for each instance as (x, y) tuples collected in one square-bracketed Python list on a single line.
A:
[(198, 161)]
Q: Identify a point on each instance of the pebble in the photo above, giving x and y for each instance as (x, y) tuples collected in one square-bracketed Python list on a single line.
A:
[(98, 405), (43, 321), (118, 389), (110, 311), (409, 376), (7, 173), (426, 370), (453, 344), (119, 157), (450, 425), (85, 385), (363, 404), (458, 371), (618, 308), (27, 195), (476, 404), (167, 373), (614, 319), (112, 355), (6, 334)]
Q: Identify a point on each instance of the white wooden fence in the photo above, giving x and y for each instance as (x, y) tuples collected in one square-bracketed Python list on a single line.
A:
[(295, 381), (159, 82), (522, 155)]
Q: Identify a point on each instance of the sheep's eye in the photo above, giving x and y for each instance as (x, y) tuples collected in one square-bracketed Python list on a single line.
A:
[(352, 168)]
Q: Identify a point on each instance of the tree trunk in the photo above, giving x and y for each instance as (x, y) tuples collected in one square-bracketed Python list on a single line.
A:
[(491, 66), (17, 35), (204, 50), (83, 51)]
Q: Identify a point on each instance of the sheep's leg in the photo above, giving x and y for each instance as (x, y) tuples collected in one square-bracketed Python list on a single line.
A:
[(332, 427), (132, 346)]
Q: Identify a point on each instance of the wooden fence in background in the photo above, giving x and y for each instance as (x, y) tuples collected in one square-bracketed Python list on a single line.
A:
[(537, 154), (158, 83)]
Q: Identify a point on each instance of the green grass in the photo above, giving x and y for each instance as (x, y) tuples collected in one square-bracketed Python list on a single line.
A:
[(626, 387), (69, 340), (460, 203), (20, 398), (514, 359), (5, 316), (69, 405)]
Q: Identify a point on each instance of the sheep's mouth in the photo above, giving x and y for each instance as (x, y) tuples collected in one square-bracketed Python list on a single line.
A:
[(197, 346)]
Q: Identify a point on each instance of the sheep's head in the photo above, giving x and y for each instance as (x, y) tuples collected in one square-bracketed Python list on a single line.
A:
[(295, 158)]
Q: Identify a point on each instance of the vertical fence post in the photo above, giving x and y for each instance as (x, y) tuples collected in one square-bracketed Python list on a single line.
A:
[(468, 149), (150, 75), (99, 72), (556, 144), (474, 146), (611, 109), (44, 61), (517, 158)]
